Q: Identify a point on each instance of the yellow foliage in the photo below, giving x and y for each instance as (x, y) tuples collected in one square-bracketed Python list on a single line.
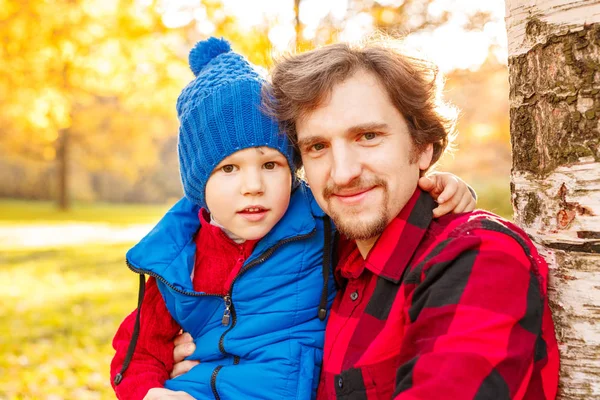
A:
[(49, 153), (95, 67)]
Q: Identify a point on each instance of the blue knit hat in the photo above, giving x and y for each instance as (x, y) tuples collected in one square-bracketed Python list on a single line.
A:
[(220, 113)]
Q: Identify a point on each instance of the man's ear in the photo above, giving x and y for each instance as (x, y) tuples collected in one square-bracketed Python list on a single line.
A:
[(425, 157)]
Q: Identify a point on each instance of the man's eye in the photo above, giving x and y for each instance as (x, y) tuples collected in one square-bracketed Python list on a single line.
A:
[(269, 165), (369, 135), (227, 168), (318, 146)]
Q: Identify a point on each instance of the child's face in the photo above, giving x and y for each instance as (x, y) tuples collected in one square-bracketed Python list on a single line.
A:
[(249, 191)]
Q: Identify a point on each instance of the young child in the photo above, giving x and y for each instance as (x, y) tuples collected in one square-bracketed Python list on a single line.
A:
[(242, 263)]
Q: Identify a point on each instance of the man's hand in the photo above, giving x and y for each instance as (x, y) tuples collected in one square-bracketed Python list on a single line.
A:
[(166, 394), (451, 193), (184, 347)]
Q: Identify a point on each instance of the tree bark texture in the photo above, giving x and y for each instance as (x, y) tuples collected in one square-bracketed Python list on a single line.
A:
[(63, 158), (554, 75)]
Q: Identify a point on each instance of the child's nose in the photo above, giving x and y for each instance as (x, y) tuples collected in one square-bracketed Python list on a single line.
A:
[(252, 183)]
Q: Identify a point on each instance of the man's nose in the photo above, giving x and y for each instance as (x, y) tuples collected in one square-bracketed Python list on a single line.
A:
[(346, 165)]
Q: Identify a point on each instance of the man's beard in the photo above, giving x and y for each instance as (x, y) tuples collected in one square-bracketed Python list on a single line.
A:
[(349, 224)]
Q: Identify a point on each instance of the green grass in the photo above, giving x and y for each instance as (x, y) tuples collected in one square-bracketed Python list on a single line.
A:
[(45, 212), (61, 307), (58, 314)]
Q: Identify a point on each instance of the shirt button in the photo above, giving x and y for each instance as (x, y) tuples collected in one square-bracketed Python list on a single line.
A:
[(354, 295), (340, 383)]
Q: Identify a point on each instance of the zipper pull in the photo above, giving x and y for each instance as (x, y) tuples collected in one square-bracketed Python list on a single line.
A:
[(227, 313)]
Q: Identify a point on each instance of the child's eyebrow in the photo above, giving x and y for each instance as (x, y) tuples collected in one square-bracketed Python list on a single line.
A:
[(269, 152)]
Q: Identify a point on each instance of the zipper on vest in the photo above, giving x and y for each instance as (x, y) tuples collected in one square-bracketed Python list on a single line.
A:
[(229, 313), (213, 382), (163, 280), (264, 256)]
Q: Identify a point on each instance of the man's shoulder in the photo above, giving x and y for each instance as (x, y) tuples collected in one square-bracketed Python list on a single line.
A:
[(475, 235), (478, 224)]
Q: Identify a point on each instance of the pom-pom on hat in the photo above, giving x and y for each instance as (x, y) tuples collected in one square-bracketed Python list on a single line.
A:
[(220, 113)]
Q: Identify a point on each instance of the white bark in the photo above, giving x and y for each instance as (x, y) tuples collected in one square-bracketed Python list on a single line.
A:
[(555, 107), (575, 276), (561, 15)]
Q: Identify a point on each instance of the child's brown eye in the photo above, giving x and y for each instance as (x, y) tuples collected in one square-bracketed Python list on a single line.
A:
[(227, 168), (269, 165)]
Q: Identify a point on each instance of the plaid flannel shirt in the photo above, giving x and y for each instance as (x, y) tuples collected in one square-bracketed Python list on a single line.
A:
[(453, 308)]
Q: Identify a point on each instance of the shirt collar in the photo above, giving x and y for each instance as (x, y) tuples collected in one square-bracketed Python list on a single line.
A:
[(397, 244)]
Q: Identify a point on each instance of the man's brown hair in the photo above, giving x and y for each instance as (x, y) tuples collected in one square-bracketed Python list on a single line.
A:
[(302, 82)]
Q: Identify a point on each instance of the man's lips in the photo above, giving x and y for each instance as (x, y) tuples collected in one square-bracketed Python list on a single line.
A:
[(352, 197)]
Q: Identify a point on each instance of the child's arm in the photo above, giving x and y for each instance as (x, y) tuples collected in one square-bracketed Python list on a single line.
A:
[(451, 193), (153, 357)]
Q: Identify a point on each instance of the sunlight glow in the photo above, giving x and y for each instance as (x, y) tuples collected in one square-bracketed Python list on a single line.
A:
[(357, 27), (482, 131), (450, 46), (312, 11), (256, 12), (282, 36)]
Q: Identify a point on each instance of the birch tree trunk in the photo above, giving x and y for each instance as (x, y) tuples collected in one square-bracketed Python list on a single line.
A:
[(554, 73)]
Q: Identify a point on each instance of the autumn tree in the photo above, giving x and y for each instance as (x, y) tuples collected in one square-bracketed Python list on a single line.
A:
[(80, 76), (554, 72)]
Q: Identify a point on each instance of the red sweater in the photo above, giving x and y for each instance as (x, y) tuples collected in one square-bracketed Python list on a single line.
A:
[(218, 261)]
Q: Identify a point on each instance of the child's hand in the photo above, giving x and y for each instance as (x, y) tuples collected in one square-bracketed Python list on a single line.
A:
[(184, 346), (166, 394), (451, 193)]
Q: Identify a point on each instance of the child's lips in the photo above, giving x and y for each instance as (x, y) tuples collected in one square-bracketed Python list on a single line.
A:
[(254, 213)]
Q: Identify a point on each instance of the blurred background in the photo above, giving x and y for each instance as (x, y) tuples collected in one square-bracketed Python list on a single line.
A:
[(88, 146)]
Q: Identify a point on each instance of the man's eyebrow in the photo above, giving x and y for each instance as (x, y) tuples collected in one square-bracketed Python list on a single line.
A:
[(309, 141), (367, 127)]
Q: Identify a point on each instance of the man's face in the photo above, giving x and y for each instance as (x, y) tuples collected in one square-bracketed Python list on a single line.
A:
[(358, 157)]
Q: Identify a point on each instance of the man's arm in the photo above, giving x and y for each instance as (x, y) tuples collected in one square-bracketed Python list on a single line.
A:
[(153, 356), (474, 319)]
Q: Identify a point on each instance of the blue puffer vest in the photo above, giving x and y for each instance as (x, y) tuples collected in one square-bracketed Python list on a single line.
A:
[(264, 339)]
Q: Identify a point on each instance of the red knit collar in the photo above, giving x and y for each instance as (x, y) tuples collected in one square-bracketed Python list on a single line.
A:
[(218, 234)]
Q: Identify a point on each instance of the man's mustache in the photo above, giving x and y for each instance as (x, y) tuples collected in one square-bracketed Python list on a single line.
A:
[(359, 184)]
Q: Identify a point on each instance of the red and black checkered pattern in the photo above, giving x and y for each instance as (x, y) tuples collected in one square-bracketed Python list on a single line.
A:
[(453, 308)]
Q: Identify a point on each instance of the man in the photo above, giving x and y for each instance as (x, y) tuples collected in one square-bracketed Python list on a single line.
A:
[(453, 308)]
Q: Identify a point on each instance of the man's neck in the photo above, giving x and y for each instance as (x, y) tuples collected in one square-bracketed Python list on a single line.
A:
[(365, 246)]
